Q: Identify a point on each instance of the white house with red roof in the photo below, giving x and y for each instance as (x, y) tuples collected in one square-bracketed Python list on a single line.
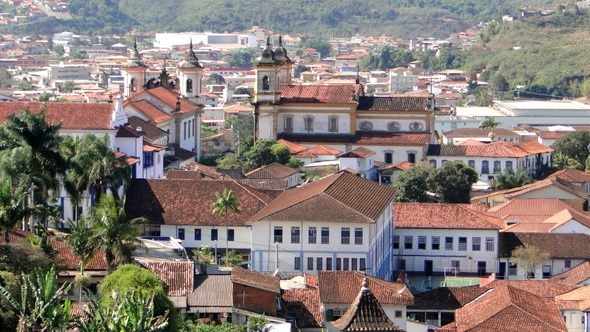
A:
[(339, 116)]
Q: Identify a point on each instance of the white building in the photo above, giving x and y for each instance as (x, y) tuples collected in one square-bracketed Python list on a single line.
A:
[(219, 40), (402, 80), (444, 238), (341, 222)]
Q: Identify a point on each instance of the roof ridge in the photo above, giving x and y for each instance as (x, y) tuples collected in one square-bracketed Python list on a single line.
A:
[(249, 191)]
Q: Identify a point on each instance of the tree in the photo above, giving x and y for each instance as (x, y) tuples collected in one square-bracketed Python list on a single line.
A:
[(585, 88), (294, 162), (529, 258), (452, 182), (8, 317), (215, 79), (411, 184), (299, 69), (68, 87), (80, 240), (42, 306), (232, 258), (574, 146), (509, 179), (59, 50), (500, 83), (204, 255), (226, 202), (12, 209), (266, 152), (319, 45), (129, 278), (281, 153), (112, 232), (489, 122), (229, 161), (19, 258), (239, 58)]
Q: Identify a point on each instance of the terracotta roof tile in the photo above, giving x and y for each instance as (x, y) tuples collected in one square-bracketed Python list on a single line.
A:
[(529, 227), (572, 176), (404, 165), (255, 279), (212, 293), (143, 106), (304, 304), (293, 147), (168, 97), (178, 277), (152, 132), (577, 299), (188, 202), (494, 149), (272, 187), (470, 142), (371, 103), (575, 275), (509, 309), (479, 132), (71, 115), (553, 134), (342, 286), (434, 215), (558, 245), (543, 288), (337, 197), (325, 94), (446, 298), (322, 150), (375, 138), (272, 171), (537, 207), (360, 152)]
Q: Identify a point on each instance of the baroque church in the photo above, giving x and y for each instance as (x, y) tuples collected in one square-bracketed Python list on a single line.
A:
[(340, 117)]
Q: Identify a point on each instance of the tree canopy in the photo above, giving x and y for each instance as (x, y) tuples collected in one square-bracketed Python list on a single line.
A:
[(452, 182), (411, 184), (574, 149)]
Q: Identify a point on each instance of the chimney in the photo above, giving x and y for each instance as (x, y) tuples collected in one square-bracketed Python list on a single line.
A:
[(178, 104)]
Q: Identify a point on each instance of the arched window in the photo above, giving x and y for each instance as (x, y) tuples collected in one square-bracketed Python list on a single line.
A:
[(189, 85), (509, 164), (497, 167), (308, 124), (288, 124), (412, 157), (485, 167), (433, 163), (471, 163), (333, 124), (388, 157), (133, 85), (265, 83)]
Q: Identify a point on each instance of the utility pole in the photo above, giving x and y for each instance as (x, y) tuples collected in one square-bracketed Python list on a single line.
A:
[(216, 262), (276, 256)]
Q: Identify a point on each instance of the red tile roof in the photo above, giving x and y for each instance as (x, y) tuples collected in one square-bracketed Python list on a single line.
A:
[(304, 304), (360, 152), (167, 97), (557, 245), (571, 176), (543, 288), (188, 202), (154, 114), (494, 149), (575, 275), (446, 298), (434, 215), (178, 277), (324, 94), (509, 309), (538, 207), (322, 150), (367, 138), (338, 197), (293, 147), (341, 287), (83, 116), (272, 171), (255, 279)]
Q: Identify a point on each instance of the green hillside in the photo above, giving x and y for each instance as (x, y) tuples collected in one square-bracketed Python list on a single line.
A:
[(405, 18), (548, 55)]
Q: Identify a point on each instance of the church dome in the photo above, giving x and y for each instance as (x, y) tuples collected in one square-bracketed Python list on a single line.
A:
[(134, 59), (190, 59), (281, 52), (268, 55)]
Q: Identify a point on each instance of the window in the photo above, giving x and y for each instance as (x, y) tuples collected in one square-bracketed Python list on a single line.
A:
[(288, 123), (366, 125), (509, 165), (489, 244), (310, 263), (181, 233), (512, 269), (471, 163), (462, 244), (408, 241), (396, 242), (213, 235), (398, 314), (394, 126), (358, 236), (133, 85), (353, 264), (456, 265), (197, 234), (567, 263), (388, 157), (412, 157), (435, 243), (362, 264), (230, 235), (295, 234), (328, 263), (312, 235), (401, 264), (333, 124), (320, 264), (308, 120), (297, 264), (345, 235), (497, 167), (432, 163), (278, 234), (476, 243), (485, 168), (325, 235), (416, 126), (345, 264), (338, 264), (189, 85), (184, 131), (448, 243), (546, 271), (265, 83), (148, 159), (422, 242)]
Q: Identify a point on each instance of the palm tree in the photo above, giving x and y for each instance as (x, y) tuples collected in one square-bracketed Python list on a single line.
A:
[(12, 209), (489, 122), (226, 202), (112, 232)]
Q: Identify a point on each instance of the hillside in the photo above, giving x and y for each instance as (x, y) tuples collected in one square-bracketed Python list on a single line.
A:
[(328, 18), (548, 55)]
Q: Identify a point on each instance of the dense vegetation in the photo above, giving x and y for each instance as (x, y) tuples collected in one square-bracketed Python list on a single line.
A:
[(327, 18), (546, 55)]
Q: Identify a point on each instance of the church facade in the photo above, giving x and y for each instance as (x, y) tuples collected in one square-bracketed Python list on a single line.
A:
[(338, 116)]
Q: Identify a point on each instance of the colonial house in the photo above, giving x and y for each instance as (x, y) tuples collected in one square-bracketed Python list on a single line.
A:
[(480, 134), (444, 239), (493, 158), (181, 209), (360, 160), (339, 116), (565, 252), (340, 222), (577, 275), (289, 177), (254, 292)]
